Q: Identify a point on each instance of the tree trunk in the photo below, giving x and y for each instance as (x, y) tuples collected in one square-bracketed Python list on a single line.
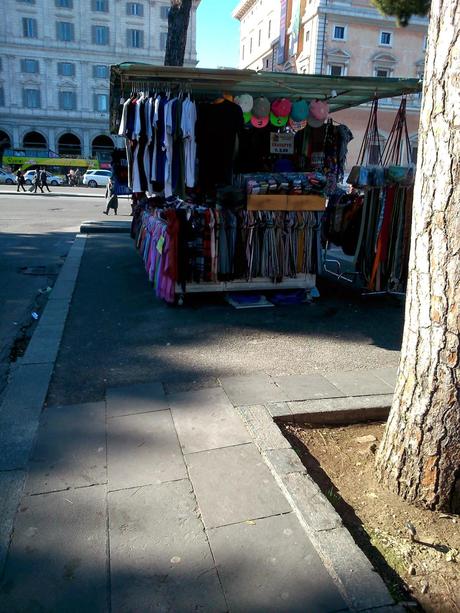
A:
[(178, 20), (419, 457)]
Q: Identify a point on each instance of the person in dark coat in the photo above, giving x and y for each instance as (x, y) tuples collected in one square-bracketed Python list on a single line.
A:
[(44, 179), (36, 181), (111, 198), (20, 180)]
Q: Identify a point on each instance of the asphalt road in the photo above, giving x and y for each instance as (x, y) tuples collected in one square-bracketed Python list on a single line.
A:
[(36, 233)]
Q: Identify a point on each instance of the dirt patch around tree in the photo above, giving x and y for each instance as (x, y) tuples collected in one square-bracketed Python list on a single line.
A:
[(417, 552)]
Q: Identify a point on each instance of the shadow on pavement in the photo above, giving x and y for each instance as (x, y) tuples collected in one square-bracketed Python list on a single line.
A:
[(119, 333)]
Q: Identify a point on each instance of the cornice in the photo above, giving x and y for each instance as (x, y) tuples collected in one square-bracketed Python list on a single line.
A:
[(242, 8), (361, 15)]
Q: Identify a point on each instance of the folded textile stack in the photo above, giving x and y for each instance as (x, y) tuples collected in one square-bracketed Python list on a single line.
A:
[(295, 184)]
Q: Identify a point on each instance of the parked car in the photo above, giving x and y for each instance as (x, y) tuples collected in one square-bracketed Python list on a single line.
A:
[(52, 179), (96, 178), (7, 177)]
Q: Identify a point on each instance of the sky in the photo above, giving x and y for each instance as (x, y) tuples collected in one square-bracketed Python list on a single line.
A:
[(218, 34)]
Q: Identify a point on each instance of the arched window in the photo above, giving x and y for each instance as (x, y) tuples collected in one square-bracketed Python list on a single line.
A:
[(5, 140), (69, 144), (34, 141), (102, 147)]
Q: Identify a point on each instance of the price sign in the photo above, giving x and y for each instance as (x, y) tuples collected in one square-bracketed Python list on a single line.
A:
[(282, 143)]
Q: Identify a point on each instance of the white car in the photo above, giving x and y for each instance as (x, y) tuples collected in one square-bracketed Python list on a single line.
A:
[(7, 177), (96, 178), (52, 179)]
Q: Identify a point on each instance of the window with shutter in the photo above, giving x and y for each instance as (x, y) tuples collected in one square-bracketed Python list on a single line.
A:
[(29, 27), (31, 98), (65, 31), (66, 69), (101, 71), (100, 35), (29, 66), (135, 8)]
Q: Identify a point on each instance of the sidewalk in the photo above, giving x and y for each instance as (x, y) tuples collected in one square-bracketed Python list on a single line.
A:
[(69, 192), (154, 499)]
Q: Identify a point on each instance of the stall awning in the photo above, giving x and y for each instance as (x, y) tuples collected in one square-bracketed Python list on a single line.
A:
[(341, 92)]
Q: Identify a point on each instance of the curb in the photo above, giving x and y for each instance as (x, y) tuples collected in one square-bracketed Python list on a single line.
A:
[(105, 227), (360, 585), (56, 194), (26, 392), (51, 194)]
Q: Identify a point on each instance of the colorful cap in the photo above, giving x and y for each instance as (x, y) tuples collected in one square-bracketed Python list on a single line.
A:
[(261, 107), (299, 111), (259, 122), (319, 110), (247, 117), (297, 125), (281, 107), (245, 101), (279, 122)]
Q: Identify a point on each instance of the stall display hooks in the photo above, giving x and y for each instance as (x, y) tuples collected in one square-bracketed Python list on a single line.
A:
[(397, 148), (384, 212), (371, 141)]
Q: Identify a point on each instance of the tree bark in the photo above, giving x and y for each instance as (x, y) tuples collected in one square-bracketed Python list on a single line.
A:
[(419, 457), (178, 20)]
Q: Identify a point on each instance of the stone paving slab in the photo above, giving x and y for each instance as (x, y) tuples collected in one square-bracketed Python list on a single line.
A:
[(365, 588), (278, 409), (269, 565), (55, 312), (260, 424), (63, 290), (11, 486), (306, 387), (70, 449), (205, 419), (284, 461), (27, 389), (358, 383), (234, 484), (253, 389), (350, 407), (388, 375), (143, 449), (136, 399), (16, 440), (159, 555), (57, 559), (44, 346)]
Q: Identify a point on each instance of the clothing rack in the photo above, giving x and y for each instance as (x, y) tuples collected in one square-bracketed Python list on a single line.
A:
[(193, 249)]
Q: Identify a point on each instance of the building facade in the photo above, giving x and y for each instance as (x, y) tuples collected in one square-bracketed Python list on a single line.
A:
[(55, 58), (340, 38)]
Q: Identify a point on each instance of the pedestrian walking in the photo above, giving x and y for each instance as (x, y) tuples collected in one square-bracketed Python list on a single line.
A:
[(36, 182), (44, 180), (111, 198), (20, 180)]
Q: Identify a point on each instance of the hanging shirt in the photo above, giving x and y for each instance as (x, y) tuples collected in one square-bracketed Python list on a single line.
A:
[(168, 145), (156, 104), (217, 131), (124, 118), (188, 124)]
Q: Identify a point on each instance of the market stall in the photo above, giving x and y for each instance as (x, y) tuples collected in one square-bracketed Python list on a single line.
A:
[(232, 170)]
